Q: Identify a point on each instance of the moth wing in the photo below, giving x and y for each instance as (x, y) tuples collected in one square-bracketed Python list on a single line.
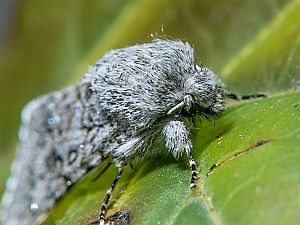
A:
[(54, 152)]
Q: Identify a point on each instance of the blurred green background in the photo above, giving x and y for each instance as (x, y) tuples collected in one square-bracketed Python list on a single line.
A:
[(46, 45)]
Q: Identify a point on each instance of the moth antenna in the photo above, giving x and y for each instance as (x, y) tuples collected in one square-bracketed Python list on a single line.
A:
[(193, 167), (108, 194), (176, 107), (244, 97), (186, 102)]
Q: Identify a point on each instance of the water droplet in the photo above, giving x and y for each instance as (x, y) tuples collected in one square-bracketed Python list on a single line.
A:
[(50, 120), (51, 106), (241, 136), (34, 207), (81, 148), (69, 183), (11, 183), (57, 118), (219, 140), (57, 194), (293, 114), (209, 198), (53, 120)]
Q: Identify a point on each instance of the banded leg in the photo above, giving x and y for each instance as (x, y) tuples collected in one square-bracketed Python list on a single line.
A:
[(193, 167), (108, 194), (244, 97)]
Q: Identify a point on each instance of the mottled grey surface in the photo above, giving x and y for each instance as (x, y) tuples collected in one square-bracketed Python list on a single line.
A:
[(130, 100)]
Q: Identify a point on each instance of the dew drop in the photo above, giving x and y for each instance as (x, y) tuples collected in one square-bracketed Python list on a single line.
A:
[(53, 120), (51, 106), (57, 118), (11, 183), (34, 207), (69, 183), (219, 140), (57, 194), (50, 120)]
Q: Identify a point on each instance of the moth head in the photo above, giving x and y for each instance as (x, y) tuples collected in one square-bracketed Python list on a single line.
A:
[(202, 95), (138, 85)]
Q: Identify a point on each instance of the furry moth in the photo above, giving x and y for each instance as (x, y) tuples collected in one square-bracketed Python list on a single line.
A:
[(131, 100)]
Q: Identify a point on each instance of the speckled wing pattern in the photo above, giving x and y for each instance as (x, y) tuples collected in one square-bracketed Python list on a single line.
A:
[(62, 138)]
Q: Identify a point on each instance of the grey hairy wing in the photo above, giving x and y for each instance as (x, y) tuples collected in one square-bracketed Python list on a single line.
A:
[(56, 149)]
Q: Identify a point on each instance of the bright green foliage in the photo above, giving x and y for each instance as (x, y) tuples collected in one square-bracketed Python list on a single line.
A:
[(261, 186)]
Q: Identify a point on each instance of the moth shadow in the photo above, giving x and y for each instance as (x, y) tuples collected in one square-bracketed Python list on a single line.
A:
[(204, 134), (157, 162)]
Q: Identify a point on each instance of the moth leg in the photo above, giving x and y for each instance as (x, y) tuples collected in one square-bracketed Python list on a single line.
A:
[(108, 194), (244, 97), (193, 167), (176, 135)]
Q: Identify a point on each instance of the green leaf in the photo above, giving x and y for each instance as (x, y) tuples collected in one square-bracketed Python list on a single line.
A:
[(255, 180)]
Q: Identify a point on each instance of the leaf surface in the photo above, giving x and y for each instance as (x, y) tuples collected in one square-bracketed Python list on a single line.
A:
[(249, 174)]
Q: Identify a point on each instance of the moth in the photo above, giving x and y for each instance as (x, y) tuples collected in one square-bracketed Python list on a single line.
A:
[(130, 101)]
